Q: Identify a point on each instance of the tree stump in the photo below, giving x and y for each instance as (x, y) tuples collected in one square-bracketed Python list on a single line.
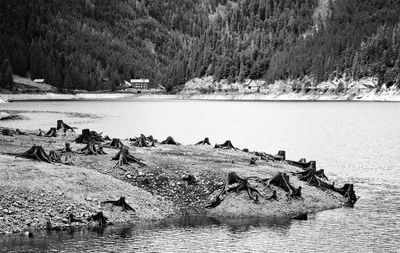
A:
[(303, 164), (6, 132), (121, 202), (68, 159), (64, 127), (281, 180), (281, 156), (90, 149), (348, 191), (226, 145), (99, 217), (89, 136), (206, 141), (51, 133), (141, 141), (41, 132), (151, 139), (100, 151), (54, 157), (84, 137), (19, 132), (169, 141), (311, 176), (240, 184), (36, 153), (107, 138), (66, 149), (124, 157), (115, 143)]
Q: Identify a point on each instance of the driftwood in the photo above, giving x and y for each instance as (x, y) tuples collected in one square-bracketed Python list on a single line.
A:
[(226, 145), (64, 127), (36, 153), (170, 141), (206, 141), (55, 157), (7, 132), (66, 149), (124, 157), (89, 136), (51, 133), (121, 202), (240, 184), (281, 180), (99, 217)]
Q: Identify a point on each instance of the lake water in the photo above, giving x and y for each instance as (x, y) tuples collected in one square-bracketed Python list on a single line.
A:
[(354, 142)]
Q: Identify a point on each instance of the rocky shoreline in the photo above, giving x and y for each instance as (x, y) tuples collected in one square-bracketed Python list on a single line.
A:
[(175, 180)]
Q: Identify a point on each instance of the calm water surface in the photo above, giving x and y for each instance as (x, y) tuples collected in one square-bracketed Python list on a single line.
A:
[(353, 142)]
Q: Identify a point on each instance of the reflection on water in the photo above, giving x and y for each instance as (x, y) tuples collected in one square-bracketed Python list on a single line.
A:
[(353, 142)]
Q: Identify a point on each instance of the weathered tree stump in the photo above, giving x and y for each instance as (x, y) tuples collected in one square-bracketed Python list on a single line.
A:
[(107, 138), (68, 159), (66, 149), (226, 145), (99, 217), (124, 157), (281, 180), (51, 133), (41, 132), (169, 141), (246, 150), (115, 143), (240, 184), (55, 157), (89, 136), (7, 132), (90, 149), (121, 202), (311, 176), (141, 141), (36, 153), (19, 132), (206, 141), (281, 156), (64, 127), (253, 160), (151, 139), (348, 192), (100, 151)]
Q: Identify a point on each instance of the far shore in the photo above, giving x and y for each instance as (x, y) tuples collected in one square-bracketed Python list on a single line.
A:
[(175, 180), (364, 97)]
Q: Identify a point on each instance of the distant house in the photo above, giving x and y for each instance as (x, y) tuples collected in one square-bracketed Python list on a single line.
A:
[(253, 86), (38, 80), (140, 84)]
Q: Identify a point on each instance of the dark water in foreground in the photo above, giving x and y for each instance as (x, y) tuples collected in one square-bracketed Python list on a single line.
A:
[(353, 142)]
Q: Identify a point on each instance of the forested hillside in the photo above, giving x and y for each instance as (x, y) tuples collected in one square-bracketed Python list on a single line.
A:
[(96, 44)]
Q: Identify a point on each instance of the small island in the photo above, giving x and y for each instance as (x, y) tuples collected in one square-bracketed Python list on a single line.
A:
[(58, 179)]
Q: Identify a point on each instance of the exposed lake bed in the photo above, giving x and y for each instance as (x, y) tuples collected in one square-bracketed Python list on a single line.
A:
[(377, 191)]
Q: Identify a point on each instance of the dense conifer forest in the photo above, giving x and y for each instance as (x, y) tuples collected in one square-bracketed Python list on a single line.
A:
[(96, 44)]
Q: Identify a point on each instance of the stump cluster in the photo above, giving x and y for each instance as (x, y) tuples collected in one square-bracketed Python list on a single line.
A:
[(143, 141)]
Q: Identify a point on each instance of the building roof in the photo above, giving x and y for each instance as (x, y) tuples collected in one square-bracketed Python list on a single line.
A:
[(140, 81)]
